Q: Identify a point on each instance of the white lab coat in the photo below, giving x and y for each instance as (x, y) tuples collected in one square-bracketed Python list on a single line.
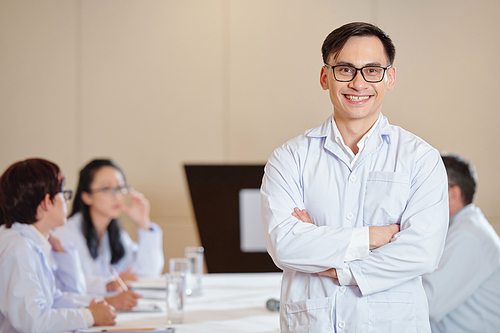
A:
[(397, 178), (464, 292), (29, 299), (145, 257), (68, 271)]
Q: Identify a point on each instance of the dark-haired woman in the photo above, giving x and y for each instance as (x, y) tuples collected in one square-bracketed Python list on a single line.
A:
[(94, 230), (32, 202)]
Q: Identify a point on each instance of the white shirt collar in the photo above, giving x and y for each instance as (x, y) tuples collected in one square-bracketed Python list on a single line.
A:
[(44, 242), (361, 143)]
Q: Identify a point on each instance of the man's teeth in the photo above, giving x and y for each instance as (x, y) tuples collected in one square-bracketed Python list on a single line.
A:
[(356, 98)]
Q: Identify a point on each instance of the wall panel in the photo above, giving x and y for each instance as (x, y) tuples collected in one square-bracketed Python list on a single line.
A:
[(38, 82), (156, 84)]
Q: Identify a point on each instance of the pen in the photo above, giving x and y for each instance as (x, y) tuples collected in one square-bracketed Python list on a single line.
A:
[(127, 329), (118, 279), (166, 330)]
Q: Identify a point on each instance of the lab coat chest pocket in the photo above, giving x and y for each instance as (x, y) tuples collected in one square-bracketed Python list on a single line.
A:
[(311, 315), (386, 196)]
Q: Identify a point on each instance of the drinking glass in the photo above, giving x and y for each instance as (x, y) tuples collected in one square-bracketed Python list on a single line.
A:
[(194, 255), (175, 297)]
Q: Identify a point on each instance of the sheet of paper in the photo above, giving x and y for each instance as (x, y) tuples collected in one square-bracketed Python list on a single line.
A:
[(150, 283), (129, 330), (151, 307)]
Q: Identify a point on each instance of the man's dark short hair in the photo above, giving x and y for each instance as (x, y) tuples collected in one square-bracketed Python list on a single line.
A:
[(335, 41), (461, 173)]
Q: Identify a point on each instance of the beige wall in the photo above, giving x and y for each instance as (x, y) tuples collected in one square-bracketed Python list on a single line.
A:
[(156, 84)]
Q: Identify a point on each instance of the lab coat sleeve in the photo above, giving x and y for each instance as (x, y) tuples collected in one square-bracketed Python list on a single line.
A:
[(70, 300), (69, 274), (23, 302), (291, 243), (97, 285), (145, 256), (417, 248), (77, 277), (460, 273)]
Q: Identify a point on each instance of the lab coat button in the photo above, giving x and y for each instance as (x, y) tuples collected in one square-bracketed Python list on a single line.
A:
[(341, 325), (350, 216), (352, 178), (342, 288)]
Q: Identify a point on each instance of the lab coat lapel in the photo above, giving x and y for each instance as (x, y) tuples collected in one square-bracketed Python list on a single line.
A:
[(325, 131), (375, 141)]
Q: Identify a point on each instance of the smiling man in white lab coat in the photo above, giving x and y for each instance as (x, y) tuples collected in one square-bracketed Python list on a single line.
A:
[(464, 292), (376, 196)]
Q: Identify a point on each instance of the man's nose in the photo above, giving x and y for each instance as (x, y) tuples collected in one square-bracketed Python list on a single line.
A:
[(358, 82)]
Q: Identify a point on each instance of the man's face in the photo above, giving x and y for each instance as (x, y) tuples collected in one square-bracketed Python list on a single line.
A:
[(358, 99)]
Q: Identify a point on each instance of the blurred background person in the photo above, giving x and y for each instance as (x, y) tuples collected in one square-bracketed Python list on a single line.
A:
[(93, 229), (33, 202), (464, 292)]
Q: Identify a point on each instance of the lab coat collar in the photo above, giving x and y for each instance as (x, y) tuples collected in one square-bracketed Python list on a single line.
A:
[(326, 130), (27, 231), (462, 212), (381, 133), (43, 241)]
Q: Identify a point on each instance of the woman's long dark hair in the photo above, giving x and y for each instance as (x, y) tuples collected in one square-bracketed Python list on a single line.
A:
[(86, 178)]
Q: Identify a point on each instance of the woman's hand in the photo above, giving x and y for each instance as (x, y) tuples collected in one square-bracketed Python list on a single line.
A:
[(139, 209), (128, 276)]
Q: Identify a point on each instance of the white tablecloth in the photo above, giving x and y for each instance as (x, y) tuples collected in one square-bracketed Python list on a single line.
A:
[(230, 303)]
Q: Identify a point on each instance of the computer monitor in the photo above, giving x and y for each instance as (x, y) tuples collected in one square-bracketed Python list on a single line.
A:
[(226, 205)]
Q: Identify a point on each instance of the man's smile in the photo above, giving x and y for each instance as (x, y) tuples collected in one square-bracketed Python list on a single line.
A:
[(355, 98)]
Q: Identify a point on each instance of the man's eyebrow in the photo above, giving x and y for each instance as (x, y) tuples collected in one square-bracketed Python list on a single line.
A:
[(345, 63)]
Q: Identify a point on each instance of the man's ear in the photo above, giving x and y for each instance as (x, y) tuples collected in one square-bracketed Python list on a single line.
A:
[(86, 198), (455, 193), (44, 204), (43, 207), (391, 78), (323, 78)]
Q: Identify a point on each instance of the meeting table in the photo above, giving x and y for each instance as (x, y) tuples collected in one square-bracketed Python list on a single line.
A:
[(230, 302)]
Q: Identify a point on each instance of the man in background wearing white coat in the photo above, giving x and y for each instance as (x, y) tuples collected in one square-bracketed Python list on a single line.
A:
[(360, 180), (464, 292)]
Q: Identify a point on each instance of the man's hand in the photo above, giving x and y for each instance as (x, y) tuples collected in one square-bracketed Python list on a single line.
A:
[(380, 236), (103, 313), (332, 272), (124, 301), (301, 215)]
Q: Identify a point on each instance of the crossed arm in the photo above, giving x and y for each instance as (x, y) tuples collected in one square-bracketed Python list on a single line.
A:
[(379, 236)]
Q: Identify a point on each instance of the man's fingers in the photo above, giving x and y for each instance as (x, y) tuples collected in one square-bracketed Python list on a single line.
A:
[(301, 215)]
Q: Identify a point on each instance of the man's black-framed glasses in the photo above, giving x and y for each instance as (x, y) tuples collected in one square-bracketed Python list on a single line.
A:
[(371, 74)]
